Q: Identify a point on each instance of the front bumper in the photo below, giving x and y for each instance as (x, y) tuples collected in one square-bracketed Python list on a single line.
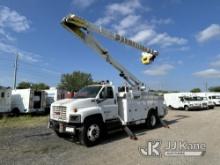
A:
[(62, 127), (195, 107)]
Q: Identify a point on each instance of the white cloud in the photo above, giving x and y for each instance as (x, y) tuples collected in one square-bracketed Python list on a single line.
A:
[(159, 70), (213, 31), (125, 18), (13, 20), (83, 3), (24, 55), (144, 35), (104, 21), (6, 36), (208, 73), (126, 23), (166, 40), (124, 8), (216, 61)]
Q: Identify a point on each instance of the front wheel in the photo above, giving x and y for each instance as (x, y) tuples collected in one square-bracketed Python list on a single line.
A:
[(91, 133)]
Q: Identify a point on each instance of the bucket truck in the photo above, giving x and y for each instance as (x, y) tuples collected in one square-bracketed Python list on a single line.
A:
[(97, 108)]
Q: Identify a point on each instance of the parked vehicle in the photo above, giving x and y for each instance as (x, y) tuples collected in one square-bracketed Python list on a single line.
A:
[(28, 101), (100, 107), (206, 99), (53, 94), (214, 97), (96, 108), (184, 101), (5, 100)]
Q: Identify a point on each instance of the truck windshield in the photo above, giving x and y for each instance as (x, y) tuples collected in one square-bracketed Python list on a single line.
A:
[(88, 92)]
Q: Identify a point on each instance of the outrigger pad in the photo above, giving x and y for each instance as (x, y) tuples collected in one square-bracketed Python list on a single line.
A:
[(164, 124), (130, 134)]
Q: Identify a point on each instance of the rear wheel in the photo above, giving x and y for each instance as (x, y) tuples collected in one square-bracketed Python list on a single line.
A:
[(152, 120), (91, 133), (186, 108), (15, 112)]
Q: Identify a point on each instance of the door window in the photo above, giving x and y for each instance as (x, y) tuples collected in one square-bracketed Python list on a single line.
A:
[(109, 93), (2, 95)]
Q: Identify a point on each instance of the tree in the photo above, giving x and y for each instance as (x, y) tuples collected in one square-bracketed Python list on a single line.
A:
[(214, 89), (195, 90), (24, 85), (35, 86), (74, 81), (40, 86)]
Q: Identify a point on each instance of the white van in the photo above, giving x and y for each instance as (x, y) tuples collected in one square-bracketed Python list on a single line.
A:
[(183, 101), (206, 99), (214, 97), (5, 100), (28, 101)]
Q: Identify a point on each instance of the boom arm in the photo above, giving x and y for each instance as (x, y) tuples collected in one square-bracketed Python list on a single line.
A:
[(82, 29)]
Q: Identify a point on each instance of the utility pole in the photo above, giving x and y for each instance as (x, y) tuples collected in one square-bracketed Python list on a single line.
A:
[(15, 71), (206, 86)]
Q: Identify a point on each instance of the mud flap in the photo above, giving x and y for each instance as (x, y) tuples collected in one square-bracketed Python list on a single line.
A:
[(164, 124)]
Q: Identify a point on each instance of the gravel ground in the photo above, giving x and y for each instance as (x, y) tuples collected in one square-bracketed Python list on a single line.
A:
[(39, 145)]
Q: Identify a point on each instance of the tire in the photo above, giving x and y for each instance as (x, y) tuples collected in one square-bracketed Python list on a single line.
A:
[(152, 120), (186, 108), (15, 112), (91, 133), (170, 107)]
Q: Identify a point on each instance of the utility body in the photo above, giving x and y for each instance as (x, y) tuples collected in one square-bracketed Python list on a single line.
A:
[(5, 100), (97, 108), (28, 101)]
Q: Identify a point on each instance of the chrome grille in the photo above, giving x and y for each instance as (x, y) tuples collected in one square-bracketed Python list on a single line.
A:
[(59, 112)]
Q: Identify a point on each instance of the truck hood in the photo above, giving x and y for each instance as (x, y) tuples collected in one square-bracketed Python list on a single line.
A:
[(75, 103)]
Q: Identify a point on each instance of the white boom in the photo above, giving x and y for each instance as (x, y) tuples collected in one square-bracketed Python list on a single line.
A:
[(82, 29)]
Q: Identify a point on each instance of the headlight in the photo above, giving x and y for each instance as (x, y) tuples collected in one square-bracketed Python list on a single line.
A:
[(75, 118)]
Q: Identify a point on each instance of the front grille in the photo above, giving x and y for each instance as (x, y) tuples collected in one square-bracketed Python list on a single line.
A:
[(59, 112)]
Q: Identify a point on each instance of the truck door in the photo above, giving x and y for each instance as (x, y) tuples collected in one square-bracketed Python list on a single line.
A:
[(108, 103)]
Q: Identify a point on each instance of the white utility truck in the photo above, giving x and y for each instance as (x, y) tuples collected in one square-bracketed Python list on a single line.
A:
[(53, 94), (184, 101), (28, 101), (5, 100), (100, 107)]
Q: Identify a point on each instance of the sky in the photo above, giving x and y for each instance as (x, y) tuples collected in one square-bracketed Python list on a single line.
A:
[(186, 33)]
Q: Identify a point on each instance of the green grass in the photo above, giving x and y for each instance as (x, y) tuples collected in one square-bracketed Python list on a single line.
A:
[(23, 121)]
